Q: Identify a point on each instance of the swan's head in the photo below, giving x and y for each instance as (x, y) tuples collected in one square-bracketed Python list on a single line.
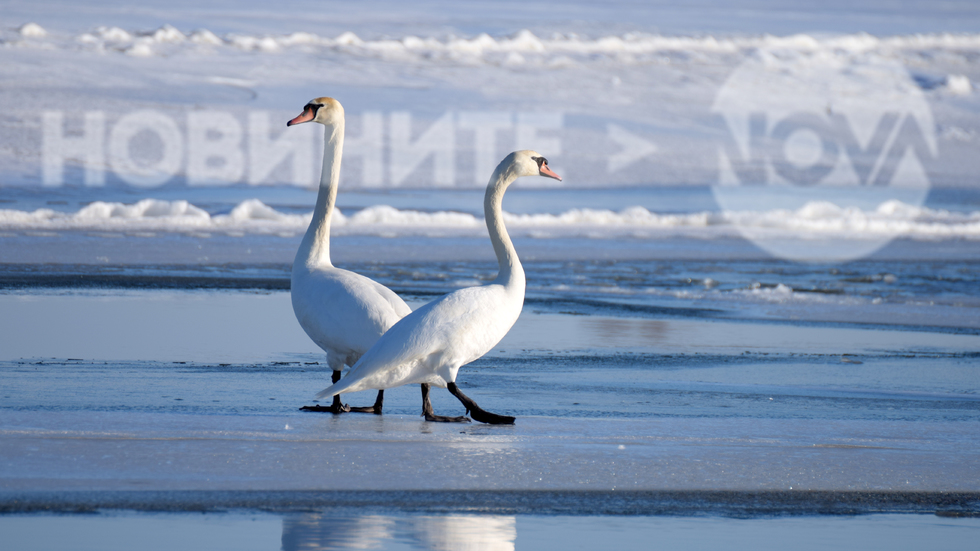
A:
[(528, 163), (326, 111)]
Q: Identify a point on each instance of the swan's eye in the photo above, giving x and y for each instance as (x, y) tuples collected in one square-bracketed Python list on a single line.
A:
[(541, 161), (314, 107)]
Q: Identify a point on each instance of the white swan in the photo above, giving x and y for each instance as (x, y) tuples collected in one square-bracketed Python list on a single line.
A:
[(343, 312), (430, 345)]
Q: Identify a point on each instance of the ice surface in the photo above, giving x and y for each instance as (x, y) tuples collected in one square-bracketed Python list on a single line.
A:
[(603, 403), (470, 531), (260, 326), (90, 451)]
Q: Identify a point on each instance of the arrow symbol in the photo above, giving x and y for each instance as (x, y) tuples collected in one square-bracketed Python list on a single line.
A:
[(634, 148)]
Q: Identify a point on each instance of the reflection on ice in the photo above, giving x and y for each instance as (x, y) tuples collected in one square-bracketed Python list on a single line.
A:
[(326, 532), (318, 532), (466, 533), (627, 332)]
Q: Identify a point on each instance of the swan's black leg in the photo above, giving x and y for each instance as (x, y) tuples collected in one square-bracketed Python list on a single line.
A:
[(477, 412), (336, 407), (427, 410), (375, 409)]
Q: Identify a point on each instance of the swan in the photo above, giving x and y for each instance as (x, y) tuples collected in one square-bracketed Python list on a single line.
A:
[(343, 312), (429, 345)]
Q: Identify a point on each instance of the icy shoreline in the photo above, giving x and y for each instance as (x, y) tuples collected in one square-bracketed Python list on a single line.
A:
[(739, 504)]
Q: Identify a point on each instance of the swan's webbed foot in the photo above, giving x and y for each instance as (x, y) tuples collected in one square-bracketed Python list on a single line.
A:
[(444, 419), (375, 409), (478, 413), (336, 407), (431, 416), (491, 418), (327, 409)]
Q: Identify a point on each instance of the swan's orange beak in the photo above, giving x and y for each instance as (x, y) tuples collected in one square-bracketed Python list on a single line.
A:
[(306, 116), (545, 171)]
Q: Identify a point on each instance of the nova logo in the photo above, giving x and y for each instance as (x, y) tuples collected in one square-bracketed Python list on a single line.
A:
[(826, 129), (772, 149)]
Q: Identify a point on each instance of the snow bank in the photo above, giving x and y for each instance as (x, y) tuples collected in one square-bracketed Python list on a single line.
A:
[(515, 49), (816, 218)]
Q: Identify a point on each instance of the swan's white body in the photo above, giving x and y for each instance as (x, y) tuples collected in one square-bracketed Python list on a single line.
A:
[(438, 339), (343, 312), (432, 343)]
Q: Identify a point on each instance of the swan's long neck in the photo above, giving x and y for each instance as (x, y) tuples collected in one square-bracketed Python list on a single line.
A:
[(511, 272), (315, 248)]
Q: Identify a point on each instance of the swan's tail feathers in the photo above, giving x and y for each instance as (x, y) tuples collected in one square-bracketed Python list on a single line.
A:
[(329, 391), (339, 387)]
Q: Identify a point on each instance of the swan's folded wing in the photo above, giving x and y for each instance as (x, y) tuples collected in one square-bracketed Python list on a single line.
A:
[(397, 304), (434, 336), (343, 311)]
